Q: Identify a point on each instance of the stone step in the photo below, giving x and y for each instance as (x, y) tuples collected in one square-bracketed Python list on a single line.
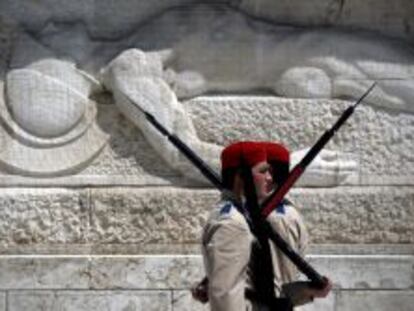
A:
[(164, 272), (151, 282)]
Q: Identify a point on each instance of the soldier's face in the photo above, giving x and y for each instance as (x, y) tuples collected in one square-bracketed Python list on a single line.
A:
[(262, 180)]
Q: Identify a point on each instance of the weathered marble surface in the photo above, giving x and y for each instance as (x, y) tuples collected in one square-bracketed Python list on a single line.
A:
[(175, 66), (165, 272), (378, 300), (156, 272), (380, 142), (394, 19), (200, 59), (140, 88), (127, 153), (127, 159), (136, 80), (3, 302), (89, 300), (6, 38), (39, 216), (354, 215), (147, 219), (44, 272), (160, 216), (98, 16), (372, 282), (358, 215), (168, 219), (331, 66), (363, 272), (326, 304), (49, 122), (181, 301)]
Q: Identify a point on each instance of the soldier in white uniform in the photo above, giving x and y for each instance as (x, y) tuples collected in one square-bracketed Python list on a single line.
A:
[(226, 238), (285, 220)]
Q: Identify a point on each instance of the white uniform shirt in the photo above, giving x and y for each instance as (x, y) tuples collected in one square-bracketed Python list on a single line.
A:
[(226, 249), (287, 221)]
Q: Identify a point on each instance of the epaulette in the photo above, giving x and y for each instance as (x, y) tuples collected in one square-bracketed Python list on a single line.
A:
[(225, 210), (280, 209)]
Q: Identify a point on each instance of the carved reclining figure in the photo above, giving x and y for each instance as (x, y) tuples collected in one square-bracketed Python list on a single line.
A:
[(136, 79)]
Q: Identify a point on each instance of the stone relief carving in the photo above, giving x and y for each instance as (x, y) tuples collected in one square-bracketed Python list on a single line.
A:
[(190, 52), (136, 79), (216, 48), (48, 119), (224, 51)]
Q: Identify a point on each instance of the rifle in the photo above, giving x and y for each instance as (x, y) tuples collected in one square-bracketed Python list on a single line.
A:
[(264, 282), (275, 198), (317, 279)]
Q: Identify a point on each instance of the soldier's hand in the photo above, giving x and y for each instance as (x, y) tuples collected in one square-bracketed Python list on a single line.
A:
[(200, 291), (321, 292)]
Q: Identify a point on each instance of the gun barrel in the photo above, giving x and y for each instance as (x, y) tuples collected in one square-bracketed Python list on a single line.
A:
[(275, 198)]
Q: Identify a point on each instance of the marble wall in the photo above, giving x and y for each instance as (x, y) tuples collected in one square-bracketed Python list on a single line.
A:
[(100, 212)]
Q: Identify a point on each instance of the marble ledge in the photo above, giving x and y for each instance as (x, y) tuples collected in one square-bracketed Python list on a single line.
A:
[(179, 272)]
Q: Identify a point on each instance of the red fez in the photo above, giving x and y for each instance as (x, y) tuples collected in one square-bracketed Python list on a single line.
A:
[(276, 152), (244, 152)]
